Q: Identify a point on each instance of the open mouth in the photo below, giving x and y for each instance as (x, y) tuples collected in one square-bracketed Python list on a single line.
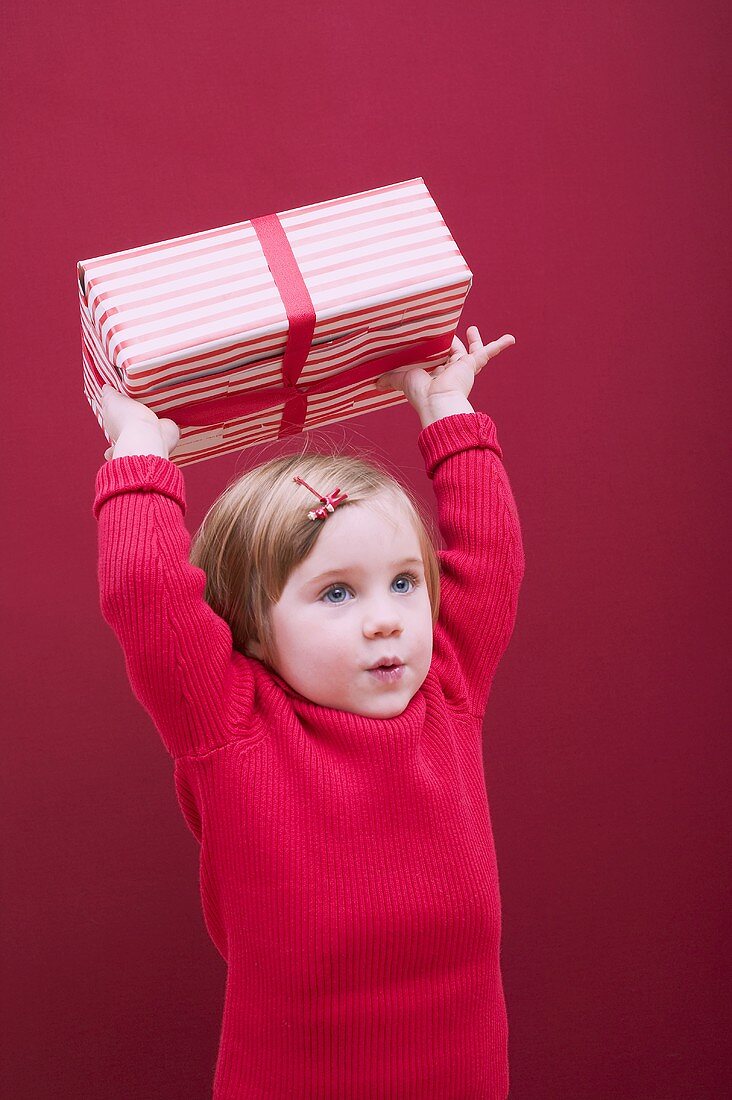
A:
[(387, 673)]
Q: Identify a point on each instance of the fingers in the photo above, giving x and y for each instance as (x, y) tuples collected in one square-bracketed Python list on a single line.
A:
[(479, 352), (392, 380), (457, 348), (482, 353), (475, 340), (497, 346)]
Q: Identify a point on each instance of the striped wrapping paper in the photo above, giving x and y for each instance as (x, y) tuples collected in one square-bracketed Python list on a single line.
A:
[(264, 328)]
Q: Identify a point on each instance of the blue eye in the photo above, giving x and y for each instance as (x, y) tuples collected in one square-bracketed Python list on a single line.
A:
[(342, 588), (335, 588)]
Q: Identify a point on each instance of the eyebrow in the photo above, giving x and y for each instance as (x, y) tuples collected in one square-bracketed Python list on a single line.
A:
[(355, 569)]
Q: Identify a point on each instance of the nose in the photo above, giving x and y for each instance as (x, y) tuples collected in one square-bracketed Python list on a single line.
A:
[(382, 618)]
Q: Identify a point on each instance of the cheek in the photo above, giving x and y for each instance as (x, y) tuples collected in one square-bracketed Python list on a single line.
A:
[(304, 628), (427, 630)]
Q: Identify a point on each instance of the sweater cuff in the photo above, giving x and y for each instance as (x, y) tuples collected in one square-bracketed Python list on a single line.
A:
[(135, 473), (459, 432)]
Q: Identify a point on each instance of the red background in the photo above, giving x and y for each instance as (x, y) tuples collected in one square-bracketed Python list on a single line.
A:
[(576, 153)]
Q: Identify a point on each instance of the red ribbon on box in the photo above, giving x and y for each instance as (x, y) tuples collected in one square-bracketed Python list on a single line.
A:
[(301, 318)]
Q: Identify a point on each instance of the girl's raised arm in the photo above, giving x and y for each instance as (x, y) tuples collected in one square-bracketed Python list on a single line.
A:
[(482, 565), (178, 653)]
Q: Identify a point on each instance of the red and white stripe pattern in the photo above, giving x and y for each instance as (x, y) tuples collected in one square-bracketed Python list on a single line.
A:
[(200, 316)]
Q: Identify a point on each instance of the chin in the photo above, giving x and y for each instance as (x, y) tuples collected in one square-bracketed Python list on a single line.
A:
[(389, 708)]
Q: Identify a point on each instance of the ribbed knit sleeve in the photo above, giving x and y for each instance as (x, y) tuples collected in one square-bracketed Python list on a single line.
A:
[(482, 564), (178, 652)]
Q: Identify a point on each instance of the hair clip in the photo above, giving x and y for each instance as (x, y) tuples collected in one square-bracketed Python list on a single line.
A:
[(330, 502)]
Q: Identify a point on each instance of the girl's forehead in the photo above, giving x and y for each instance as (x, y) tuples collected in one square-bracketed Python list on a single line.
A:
[(384, 513), (368, 527)]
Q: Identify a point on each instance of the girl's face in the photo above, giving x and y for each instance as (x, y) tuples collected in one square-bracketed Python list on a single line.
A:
[(359, 596)]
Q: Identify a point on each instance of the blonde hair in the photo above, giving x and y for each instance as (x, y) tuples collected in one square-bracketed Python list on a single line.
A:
[(258, 531)]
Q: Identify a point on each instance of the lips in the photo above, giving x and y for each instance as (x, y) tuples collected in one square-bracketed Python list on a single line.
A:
[(386, 662), (387, 674)]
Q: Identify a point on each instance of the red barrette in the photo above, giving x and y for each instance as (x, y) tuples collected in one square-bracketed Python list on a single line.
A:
[(330, 502)]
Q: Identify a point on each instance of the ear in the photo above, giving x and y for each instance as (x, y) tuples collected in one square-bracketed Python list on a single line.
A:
[(254, 649)]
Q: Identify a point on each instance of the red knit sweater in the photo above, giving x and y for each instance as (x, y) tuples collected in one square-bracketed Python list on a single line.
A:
[(347, 865)]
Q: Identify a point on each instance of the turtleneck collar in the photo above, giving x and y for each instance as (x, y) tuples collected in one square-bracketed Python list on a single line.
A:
[(341, 726)]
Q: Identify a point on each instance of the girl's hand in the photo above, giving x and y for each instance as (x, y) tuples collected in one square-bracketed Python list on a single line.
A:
[(119, 410), (454, 378)]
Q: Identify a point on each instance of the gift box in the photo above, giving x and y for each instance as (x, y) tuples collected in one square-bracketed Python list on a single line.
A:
[(265, 328)]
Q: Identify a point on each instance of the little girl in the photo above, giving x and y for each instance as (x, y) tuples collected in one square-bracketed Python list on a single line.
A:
[(319, 673)]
